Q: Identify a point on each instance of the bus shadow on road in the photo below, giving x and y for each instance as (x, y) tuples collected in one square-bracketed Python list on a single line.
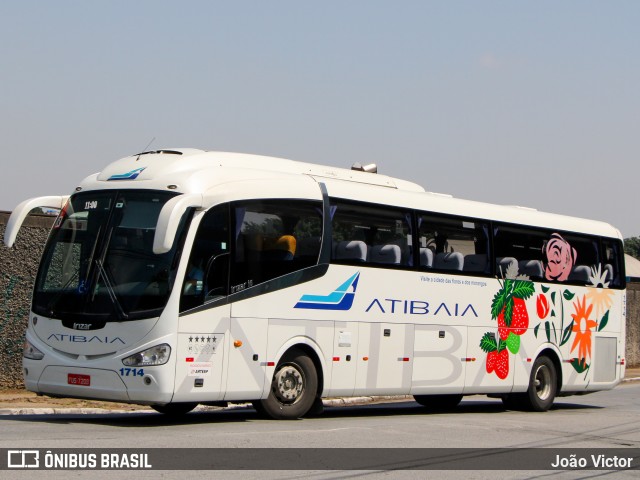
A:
[(248, 414)]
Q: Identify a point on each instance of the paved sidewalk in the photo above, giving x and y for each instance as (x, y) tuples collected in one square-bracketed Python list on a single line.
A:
[(21, 402)]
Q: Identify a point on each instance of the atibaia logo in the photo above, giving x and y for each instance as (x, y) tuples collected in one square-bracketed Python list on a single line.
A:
[(340, 299), (132, 175)]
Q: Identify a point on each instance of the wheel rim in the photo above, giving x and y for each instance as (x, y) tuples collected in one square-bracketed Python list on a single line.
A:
[(288, 384), (542, 382)]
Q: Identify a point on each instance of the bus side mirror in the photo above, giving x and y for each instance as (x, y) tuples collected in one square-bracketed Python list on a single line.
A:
[(21, 211), (169, 220)]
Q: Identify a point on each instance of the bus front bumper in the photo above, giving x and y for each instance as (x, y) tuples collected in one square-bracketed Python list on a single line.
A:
[(93, 384)]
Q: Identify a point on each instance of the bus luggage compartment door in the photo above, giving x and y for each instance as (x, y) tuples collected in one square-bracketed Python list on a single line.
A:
[(385, 352), (439, 366)]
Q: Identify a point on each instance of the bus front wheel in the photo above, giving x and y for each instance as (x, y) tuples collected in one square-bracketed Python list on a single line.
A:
[(174, 409), (293, 388)]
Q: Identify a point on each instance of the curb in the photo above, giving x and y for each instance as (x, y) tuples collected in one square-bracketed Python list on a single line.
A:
[(64, 411), (341, 402)]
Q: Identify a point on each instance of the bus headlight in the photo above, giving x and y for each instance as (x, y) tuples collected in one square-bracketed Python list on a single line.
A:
[(29, 351), (158, 355)]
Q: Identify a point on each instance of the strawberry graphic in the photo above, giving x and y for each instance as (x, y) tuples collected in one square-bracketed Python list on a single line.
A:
[(513, 343), (519, 319), (497, 355), (502, 364), (509, 308)]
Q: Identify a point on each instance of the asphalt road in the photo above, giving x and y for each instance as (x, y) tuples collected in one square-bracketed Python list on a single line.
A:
[(602, 420)]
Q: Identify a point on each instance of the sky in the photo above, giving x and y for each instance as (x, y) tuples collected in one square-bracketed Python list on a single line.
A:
[(518, 103)]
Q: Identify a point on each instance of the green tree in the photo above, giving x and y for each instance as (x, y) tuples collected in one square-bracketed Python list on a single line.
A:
[(632, 247)]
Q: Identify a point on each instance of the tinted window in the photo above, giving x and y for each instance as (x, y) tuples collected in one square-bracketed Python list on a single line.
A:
[(207, 274), (546, 255), (273, 238), (371, 235), (454, 244)]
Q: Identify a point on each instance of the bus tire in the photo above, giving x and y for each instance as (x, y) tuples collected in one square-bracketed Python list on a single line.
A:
[(439, 402), (293, 388), (512, 401), (174, 409), (543, 385)]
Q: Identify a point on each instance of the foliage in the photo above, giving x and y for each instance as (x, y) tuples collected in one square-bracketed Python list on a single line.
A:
[(632, 247)]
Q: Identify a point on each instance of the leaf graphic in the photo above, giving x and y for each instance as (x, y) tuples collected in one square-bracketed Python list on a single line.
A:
[(544, 289), (547, 329), (553, 297), (604, 321), (512, 271), (488, 342), (508, 312), (499, 301), (535, 330), (579, 364), (523, 289), (566, 334), (568, 295)]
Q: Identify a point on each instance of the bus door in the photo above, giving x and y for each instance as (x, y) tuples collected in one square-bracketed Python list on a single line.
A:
[(204, 312)]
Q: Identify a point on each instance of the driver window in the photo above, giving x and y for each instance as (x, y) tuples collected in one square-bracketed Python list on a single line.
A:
[(207, 273)]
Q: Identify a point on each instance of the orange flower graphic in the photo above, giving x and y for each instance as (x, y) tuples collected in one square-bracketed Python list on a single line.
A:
[(582, 326)]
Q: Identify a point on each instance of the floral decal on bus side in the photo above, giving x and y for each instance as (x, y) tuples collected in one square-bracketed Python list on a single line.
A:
[(564, 317), (590, 314), (560, 257), (510, 310)]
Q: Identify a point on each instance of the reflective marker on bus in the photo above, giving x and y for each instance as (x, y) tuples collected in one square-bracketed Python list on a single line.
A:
[(179, 277)]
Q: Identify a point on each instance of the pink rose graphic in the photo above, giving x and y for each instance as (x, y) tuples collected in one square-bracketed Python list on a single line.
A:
[(560, 258)]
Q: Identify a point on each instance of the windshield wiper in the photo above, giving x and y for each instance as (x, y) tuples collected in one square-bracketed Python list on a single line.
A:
[(112, 294)]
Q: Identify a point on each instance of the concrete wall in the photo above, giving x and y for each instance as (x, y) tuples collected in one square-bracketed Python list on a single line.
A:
[(633, 325), (18, 268)]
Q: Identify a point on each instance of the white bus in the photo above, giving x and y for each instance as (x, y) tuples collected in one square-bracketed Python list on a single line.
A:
[(182, 277)]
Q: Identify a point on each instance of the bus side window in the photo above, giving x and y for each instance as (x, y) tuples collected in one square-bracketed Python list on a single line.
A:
[(453, 244), (519, 252), (613, 263), (372, 235)]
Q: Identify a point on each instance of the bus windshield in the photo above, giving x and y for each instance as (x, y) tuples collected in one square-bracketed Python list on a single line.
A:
[(98, 264)]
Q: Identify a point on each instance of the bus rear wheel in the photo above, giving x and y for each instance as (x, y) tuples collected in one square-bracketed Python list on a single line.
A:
[(174, 409), (293, 388), (543, 387), (439, 402)]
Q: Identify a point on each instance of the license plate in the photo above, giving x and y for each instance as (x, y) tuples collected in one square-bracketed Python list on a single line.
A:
[(79, 379)]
